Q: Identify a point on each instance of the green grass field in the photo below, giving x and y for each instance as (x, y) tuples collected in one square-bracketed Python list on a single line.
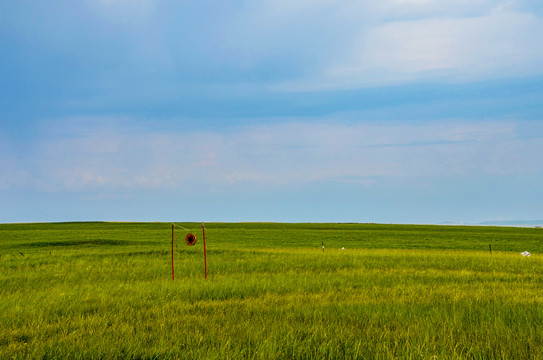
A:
[(104, 291)]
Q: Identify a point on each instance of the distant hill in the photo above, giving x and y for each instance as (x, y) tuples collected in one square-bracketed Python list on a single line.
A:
[(514, 223), (525, 223)]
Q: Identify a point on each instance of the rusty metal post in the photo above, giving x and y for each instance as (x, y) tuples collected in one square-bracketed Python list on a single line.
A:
[(205, 255), (173, 273)]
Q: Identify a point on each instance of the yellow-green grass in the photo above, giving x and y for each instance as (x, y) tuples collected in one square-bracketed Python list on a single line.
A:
[(104, 291)]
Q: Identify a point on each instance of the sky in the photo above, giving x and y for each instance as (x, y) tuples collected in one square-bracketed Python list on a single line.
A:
[(385, 111)]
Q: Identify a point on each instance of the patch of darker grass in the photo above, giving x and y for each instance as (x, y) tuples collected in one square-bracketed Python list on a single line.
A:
[(86, 242)]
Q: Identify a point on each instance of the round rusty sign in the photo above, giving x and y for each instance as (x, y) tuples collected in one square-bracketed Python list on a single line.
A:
[(190, 239)]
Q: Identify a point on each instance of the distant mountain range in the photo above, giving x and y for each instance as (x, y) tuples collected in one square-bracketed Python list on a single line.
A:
[(514, 223), (501, 223)]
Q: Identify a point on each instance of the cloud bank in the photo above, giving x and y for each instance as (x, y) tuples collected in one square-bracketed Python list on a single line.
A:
[(280, 45), (108, 155)]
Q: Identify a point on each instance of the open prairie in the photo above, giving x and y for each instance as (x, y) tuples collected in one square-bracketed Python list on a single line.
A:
[(105, 291)]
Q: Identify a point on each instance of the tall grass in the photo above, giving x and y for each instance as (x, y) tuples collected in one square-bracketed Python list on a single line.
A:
[(100, 290)]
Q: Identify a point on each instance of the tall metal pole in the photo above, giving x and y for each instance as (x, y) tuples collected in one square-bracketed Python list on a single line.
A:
[(173, 275), (205, 255)]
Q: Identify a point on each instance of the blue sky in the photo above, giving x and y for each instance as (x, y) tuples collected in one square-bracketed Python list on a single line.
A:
[(392, 111)]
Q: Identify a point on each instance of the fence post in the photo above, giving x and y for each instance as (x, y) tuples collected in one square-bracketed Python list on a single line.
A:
[(205, 255), (173, 274)]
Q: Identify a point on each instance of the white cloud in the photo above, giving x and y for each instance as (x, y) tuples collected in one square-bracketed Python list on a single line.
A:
[(281, 155), (402, 41), (465, 47)]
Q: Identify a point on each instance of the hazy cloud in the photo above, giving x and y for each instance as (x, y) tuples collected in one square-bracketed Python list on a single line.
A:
[(279, 155), (13, 170), (464, 48), (434, 40)]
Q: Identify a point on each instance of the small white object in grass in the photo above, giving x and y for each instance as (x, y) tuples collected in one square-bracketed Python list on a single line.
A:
[(342, 248), (525, 253)]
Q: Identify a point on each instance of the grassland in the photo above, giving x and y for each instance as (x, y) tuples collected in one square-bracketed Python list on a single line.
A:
[(104, 291)]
